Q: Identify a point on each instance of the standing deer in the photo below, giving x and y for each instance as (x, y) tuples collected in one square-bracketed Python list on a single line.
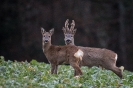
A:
[(93, 56), (60, 54)]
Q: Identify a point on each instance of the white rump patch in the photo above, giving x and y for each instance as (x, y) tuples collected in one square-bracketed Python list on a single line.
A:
[(116, 57), (79, 54), (122, 68)]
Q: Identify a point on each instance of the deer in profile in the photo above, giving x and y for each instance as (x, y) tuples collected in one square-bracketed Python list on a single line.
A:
[(57, 55), (93, 56)]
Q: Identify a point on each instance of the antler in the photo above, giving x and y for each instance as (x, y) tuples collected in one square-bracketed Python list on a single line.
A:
[(66, 28), (72, 25), (66, 25)]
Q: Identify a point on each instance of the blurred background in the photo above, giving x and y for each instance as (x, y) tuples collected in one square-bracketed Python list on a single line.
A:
[(100, 23)]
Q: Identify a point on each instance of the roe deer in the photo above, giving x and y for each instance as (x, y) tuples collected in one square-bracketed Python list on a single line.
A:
[(93, 56), (60, 54)]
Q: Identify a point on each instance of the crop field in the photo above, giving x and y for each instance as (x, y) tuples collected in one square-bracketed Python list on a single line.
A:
[(35, 74)]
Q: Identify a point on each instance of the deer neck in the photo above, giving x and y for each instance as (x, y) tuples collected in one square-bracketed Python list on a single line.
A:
[(46, 46), (70, 44)]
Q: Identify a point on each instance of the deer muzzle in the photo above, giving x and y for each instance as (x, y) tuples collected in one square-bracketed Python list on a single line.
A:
[(68, 41), (46, 41)]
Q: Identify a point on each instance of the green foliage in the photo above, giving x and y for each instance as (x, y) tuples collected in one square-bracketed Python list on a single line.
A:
[(37, 75)]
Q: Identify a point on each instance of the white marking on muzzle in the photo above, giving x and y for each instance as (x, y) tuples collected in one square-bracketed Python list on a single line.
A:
[(79, 54)]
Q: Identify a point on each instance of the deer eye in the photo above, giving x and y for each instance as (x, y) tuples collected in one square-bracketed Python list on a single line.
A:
[(44, 36), (49, 36), (71, 36)]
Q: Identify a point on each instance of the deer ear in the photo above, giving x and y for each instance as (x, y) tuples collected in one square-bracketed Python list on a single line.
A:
[(74, 31), (51, 31), (43, 30)]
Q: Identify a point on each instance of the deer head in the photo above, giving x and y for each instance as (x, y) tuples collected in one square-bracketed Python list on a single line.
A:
[(47, 35), (69, 33)]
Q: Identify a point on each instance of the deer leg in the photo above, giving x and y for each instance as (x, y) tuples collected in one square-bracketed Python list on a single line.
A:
[(56, 68), (117, 71), (77, 70), (53, 67), (74, 72), (112, 66), (101, 67)]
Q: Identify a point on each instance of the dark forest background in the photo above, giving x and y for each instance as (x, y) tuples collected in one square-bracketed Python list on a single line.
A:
[(100, 23)]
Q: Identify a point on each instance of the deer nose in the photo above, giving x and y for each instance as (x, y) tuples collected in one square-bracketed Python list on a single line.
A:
[(68, 40), (46, 41)]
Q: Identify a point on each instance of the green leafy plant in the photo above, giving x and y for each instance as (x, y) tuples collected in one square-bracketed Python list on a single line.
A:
[(37, 75)]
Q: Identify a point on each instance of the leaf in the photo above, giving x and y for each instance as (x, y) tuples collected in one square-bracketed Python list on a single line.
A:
[(34, 62), (37, 75)]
